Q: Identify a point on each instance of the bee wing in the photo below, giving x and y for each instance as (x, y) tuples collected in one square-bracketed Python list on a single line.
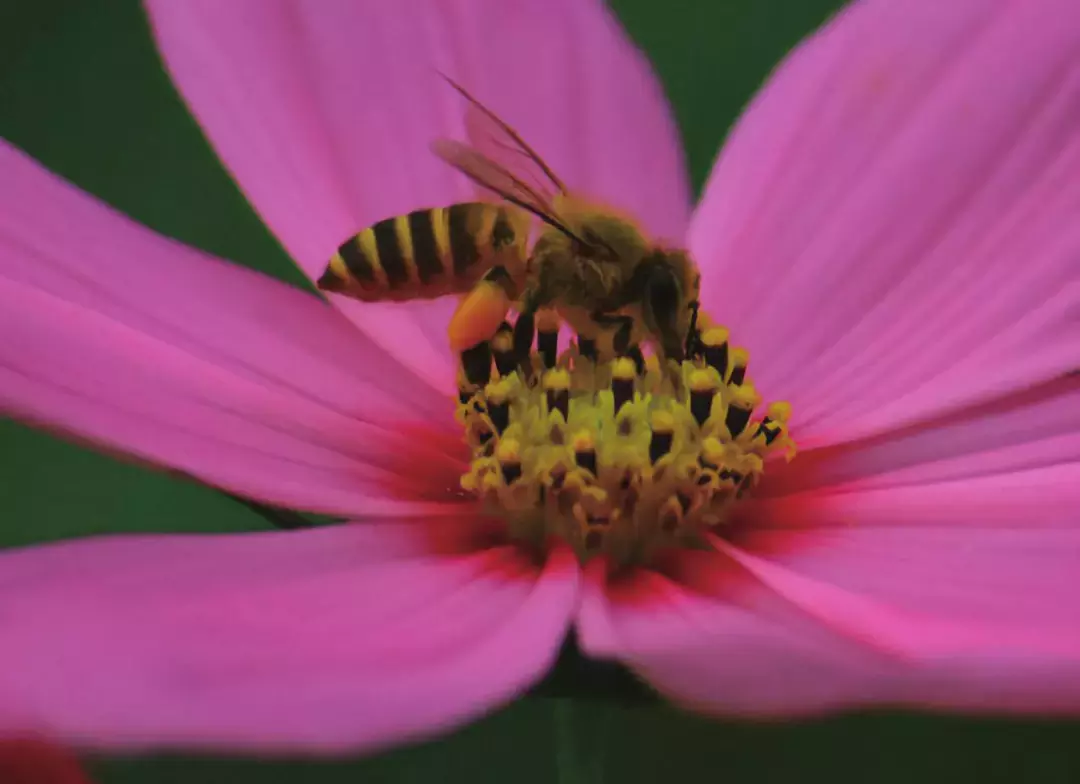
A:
[(495, 177), (500, 161), (494, 138)]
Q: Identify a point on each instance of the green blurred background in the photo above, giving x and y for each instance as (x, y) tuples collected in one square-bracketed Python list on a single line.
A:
[(81, 89)]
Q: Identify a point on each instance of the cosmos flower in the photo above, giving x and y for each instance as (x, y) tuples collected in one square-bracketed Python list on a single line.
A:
[(890, 232)]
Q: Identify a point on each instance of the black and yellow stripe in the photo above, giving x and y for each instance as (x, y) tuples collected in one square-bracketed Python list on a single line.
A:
[(426, 253)]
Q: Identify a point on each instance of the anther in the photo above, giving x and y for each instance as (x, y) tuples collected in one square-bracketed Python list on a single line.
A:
[(557, 391), (712, 453), (780, 411), (741, 406), (585, 452), (663, 435), (772, 424), (768, 430), (739, 359), (508, 454), (476, 362), (703, 388), (622, 382), (547, 337), (665, 459), (498, 404), (502, 349), (715, 349), (635, 355)]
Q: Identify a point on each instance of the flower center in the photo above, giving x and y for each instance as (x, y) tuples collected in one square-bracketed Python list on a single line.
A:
[(613, 457)]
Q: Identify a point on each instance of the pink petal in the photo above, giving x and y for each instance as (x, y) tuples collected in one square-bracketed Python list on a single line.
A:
[(1037, 428), (347, 638), (135, 342), (932, 566), (324, 113), (896, 214), (951, 595)]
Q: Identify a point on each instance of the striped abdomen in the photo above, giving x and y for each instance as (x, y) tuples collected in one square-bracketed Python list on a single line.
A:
[(428, 253)]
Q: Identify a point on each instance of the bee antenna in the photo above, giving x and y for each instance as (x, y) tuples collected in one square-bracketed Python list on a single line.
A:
[(453, 83)]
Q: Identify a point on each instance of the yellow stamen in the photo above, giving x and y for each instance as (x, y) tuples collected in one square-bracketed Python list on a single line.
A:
[(615, 461)]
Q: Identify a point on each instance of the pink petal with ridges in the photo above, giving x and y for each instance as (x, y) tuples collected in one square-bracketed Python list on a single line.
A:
[(348, 638), (951, 596), (141, 344), (881, 585), (896, 213), (324, 112), (1037, 427)]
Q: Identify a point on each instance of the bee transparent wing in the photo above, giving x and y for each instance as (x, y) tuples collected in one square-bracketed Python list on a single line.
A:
[(495, 177), (492, 176), (495, 139)]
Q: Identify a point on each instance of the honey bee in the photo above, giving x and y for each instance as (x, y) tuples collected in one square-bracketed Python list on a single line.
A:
[(433, 252), (591, 264)]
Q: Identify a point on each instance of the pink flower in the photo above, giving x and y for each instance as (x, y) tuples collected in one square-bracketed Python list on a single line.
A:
[(890, 231)]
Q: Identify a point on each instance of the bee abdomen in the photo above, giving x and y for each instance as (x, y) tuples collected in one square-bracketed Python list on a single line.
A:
[(350, 267), (426, 253), (461, 226), (480, 234), (355, 269)]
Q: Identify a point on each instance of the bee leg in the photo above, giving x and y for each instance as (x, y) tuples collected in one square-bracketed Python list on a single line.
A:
[(502, 350), (587, 348), (547, 337), (620, 342), (476, 364), (525, 331)]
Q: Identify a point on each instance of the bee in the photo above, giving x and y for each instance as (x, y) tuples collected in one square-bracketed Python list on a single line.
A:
[(591, 264), (467, 247)]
